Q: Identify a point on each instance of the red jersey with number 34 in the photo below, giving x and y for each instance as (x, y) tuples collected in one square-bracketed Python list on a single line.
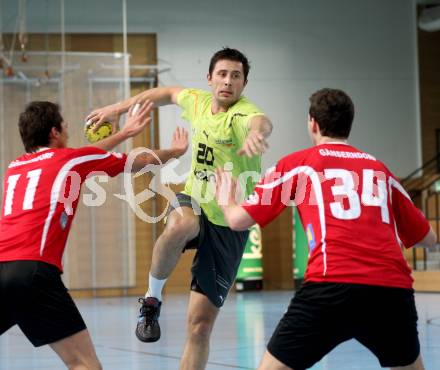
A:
[(355, 214), (40, 196)]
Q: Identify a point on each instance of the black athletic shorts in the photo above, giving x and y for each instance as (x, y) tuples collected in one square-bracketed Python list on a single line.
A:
[(33, 296), (322, 315), (219, 252)]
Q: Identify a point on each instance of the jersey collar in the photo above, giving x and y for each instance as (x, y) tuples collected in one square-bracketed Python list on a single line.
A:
[(335, 143), (41, 149)]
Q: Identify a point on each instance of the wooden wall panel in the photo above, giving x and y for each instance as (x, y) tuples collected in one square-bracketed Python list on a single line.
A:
[(426, 281), (277, 239)]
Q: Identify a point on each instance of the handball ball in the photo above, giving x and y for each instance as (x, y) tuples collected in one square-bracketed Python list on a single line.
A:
[(103, 131)]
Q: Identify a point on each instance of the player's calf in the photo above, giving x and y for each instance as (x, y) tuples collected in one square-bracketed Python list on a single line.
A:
[(77, 352)]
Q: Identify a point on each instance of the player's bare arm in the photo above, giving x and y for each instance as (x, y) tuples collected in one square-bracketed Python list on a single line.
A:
[(136, 122), (429, 240), (226, 189), (260, 128), (158, 95)]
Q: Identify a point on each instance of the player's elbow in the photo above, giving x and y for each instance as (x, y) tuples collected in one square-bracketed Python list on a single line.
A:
[(142, 161), (238, 222), (173, 92), (269, 126), (430, 239), (262, 124)]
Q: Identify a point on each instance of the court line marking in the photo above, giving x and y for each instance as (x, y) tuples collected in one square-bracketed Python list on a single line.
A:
[(173, 357)]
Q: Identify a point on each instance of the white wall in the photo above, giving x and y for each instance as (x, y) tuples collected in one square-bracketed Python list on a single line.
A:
[(365, 47)]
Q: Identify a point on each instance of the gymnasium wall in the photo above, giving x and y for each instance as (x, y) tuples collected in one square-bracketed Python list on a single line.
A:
[(367, 48)]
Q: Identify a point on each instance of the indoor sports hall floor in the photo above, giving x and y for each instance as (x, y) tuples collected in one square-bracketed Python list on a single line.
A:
[(243, 327)]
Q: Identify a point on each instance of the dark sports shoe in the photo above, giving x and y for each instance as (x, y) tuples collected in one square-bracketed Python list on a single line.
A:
[(148, 329)]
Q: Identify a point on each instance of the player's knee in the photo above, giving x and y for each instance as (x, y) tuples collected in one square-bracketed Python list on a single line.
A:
[(182, 229), (199, 328), (416, 365)]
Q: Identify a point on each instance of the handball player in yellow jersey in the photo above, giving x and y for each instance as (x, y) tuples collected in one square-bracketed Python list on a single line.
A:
[(227, 129)]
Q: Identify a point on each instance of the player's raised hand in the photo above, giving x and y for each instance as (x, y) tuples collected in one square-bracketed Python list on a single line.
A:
[(180, 141), (225, 187), (138, 118), (254, 144), (109, 113)]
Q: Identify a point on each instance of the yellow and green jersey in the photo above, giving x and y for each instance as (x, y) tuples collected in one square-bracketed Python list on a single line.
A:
[(216, 138)]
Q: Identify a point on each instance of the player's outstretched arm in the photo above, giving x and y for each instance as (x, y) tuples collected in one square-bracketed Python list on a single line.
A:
[(179, 146), (260, 128), (137, 120), (158, 95), (226, 189)]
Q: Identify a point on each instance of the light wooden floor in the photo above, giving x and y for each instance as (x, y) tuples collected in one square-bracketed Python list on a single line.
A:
[(243, 327)]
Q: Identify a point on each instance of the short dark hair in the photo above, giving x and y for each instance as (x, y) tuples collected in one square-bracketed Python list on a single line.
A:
[(36, 122), (333, 110), (230, 54)]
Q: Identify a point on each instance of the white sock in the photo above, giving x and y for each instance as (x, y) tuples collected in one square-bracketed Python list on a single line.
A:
[(155, 287)]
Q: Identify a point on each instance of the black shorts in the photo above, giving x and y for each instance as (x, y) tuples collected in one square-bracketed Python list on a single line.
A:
[(323, 315), (33, 296), (219, 252)]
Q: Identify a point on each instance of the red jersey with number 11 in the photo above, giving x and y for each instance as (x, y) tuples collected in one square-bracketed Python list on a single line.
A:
[(355, 214), (41, 192)]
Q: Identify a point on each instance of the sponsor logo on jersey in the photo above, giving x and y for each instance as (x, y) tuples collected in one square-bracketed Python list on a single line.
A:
[(204, 175), (226, 142), (310, 236)]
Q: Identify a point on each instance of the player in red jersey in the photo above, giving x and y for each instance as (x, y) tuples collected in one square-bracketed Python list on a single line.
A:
[(39, 203), (356, 216)]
